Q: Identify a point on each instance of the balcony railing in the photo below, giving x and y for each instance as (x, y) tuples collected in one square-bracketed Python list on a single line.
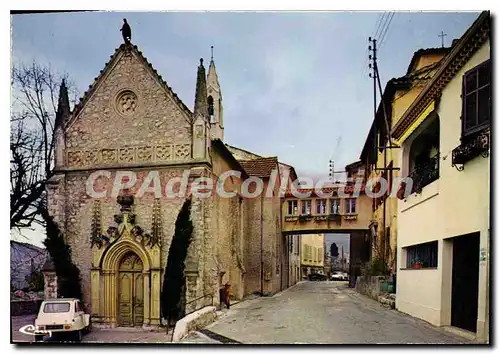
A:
[(425, 174), (479, 145)]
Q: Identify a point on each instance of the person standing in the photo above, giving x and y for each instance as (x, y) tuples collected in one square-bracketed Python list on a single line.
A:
[(227, 294)]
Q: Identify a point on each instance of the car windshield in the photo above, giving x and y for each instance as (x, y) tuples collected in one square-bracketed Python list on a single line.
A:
[(56, 307)]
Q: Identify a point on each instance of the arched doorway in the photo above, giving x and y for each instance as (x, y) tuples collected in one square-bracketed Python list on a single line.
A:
[(130, 291)]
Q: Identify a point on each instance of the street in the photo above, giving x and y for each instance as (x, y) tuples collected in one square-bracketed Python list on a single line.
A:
[(319, 313), (307, 313)]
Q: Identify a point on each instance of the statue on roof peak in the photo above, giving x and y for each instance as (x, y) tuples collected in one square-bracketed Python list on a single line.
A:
[(126, 31)]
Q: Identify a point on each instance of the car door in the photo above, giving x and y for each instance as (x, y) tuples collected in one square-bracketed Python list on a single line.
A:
[(78, 317)]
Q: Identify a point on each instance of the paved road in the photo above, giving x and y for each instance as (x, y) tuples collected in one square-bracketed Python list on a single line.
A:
[(310, 312), (319, 313)]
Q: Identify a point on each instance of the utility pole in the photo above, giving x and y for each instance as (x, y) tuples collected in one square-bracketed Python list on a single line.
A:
[(342, 259), (333, 172), (374, 75), (388, 144), (373, 49)]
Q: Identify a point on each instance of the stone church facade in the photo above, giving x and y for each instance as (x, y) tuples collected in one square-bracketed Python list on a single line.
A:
[(132, 128)]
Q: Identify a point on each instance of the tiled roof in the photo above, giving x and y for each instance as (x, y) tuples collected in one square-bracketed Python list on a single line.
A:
[(260, 167), (424, 51), (463, 49), (108, 65)]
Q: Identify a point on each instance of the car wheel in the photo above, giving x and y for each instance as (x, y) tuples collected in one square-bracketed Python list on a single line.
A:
[(38, 337), (78, 336), (88, 329)]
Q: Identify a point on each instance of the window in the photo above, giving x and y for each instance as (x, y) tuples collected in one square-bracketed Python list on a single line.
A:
[(77, 306), (350, 206), (334, 206), (422, 256), (476, 98), (308, 253), (56, 307), (292, 207), (306, 207), (424, 157), (211, 109), (320, 206)]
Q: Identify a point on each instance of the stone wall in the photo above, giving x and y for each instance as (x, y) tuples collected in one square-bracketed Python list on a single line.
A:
[(24, 307), (370, 285), (193, 322), (50, 285), (252, 236), (263, 230), (228, 231), (154, 127)]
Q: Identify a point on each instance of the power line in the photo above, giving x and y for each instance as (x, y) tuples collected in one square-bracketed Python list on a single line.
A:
[(378, 24), (383, 36), (381, 31), (381, 26)]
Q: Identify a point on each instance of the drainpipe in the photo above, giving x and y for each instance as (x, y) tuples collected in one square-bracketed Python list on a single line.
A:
[(385, 198), (284, 247), (261, 244)]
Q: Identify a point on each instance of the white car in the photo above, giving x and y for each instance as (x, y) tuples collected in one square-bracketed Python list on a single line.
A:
[(339, 276), (58, 316)]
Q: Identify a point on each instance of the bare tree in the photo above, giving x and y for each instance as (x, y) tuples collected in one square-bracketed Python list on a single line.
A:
[(34, 106)]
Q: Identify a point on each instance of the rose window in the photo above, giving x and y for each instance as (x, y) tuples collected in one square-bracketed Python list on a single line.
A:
[(126, 102)]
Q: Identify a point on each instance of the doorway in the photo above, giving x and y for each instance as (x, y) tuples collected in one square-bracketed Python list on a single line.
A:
[(465, 280), (131, 291)]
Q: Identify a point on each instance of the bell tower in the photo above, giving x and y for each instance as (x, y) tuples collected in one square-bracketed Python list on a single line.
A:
[(214, 100)]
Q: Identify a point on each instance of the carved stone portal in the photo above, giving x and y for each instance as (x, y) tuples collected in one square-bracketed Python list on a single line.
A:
[(123, 241)]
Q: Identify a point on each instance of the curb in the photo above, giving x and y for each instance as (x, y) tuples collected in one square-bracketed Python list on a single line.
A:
[(285, 290)]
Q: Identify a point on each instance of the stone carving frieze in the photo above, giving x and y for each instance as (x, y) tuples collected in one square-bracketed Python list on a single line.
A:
[(95, 229), (126, 221), (128, 154)]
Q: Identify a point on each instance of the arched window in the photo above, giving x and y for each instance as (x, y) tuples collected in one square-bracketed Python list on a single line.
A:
[(211, 108)]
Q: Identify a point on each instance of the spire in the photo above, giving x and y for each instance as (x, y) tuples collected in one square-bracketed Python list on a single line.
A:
[(63, 110), (200, 100), (215, 100), (212, 78)]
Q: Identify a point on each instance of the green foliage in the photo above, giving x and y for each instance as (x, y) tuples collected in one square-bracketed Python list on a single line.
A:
[(35, 281), (68, 274), (375, 267), (173, 293)]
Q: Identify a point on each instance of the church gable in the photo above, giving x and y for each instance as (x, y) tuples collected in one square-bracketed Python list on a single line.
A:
[(128, 116)]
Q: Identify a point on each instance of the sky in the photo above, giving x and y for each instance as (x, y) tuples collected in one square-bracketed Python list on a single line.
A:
[(294, 85)]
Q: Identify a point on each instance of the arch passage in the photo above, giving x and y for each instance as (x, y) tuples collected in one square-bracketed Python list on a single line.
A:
[(130, 291)]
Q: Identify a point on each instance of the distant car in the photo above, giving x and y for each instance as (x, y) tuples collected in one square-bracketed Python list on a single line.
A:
[(317, 277), (61, 316), (339, 276)]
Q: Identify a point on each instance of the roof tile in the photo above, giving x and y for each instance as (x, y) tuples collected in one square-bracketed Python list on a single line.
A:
[(260, 167)]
